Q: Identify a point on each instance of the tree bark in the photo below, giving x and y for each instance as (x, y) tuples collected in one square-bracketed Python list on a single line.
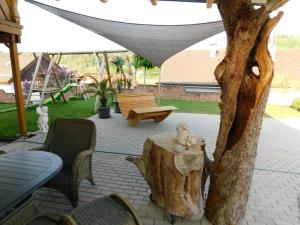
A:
[(174, 178), (243, 99)]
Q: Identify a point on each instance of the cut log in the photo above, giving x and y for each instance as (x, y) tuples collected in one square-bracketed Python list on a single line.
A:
[(174, 178)]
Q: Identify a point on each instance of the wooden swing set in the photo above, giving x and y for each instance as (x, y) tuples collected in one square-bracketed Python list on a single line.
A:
[(40, 72)]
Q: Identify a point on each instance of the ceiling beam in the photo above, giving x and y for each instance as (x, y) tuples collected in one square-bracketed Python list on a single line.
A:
[(154, 2), (255, 2), (209, 3)]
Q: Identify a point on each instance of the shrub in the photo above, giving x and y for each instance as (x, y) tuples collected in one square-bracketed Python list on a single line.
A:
[(296, 104)]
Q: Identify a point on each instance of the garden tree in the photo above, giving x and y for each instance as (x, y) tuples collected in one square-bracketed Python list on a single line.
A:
[(244, 94), (129, 65), (119, 62), (142, 62), (136, 64)]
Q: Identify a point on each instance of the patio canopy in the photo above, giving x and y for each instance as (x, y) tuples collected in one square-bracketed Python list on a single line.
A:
[(154, 42)]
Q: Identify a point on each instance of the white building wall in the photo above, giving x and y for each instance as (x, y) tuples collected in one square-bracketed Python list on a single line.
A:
[(7, 88)]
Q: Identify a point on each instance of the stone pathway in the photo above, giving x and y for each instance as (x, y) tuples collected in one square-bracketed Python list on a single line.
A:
[(3, 143), (276, 179)]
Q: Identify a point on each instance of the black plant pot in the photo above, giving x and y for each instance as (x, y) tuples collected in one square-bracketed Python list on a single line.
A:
[(104, 112), (117, 107)]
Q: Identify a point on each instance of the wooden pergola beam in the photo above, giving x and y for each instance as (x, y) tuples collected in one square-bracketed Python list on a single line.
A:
[(209, 3), (255, 2), (15, 67), (154, 2), (10, 27)]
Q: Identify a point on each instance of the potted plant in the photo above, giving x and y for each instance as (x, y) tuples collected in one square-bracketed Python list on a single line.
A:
[(119, 87), (120, 83), (129, 84), (104, 91)]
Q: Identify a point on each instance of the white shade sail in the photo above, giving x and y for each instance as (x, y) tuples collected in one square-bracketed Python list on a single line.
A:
[(154, 42)]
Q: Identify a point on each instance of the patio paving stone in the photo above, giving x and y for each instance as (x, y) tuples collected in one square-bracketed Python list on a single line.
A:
[(276, 179)]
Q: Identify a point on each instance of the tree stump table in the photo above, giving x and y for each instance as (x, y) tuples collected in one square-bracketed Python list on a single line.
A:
[(175, 179)]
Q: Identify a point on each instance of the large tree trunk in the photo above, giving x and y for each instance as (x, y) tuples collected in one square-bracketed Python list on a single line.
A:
[(243, 100)]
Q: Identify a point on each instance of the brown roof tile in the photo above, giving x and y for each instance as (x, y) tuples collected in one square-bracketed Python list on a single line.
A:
[(191, 67), (195, 67), (287, 63), (5, 65)]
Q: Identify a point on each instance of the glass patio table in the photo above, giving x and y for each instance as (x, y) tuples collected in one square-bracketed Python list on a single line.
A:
[(21, 173)]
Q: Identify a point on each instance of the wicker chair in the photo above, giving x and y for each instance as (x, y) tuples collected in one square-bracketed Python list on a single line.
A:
[(74, 141), (206, 172), (110, 210), (2, 152)]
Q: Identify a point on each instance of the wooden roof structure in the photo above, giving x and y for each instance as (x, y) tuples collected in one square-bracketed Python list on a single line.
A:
[(208, 2), (10, 32)]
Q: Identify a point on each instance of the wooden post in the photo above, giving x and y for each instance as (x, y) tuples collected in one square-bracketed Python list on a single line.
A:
[(209, 3), (107, 68), (57, 81), (47, 80), (36, 58), (154, 2), (15, 67), (38, 63)]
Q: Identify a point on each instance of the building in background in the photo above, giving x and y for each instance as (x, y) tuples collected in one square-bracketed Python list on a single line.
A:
[(190, 75), (27, 67)]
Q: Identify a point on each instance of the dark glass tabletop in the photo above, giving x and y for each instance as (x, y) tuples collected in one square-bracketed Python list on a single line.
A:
[(21, 173)]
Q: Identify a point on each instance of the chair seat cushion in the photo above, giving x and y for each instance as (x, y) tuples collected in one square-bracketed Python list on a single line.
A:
[(102, 211)]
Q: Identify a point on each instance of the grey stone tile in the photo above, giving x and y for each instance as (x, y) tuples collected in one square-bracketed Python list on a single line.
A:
[(275, 185)]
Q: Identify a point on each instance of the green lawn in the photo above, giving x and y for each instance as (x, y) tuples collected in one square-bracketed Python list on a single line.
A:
[(73, 109), (84, 109), (192, 106), (281, 112), (6, 106), (212, 108)]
